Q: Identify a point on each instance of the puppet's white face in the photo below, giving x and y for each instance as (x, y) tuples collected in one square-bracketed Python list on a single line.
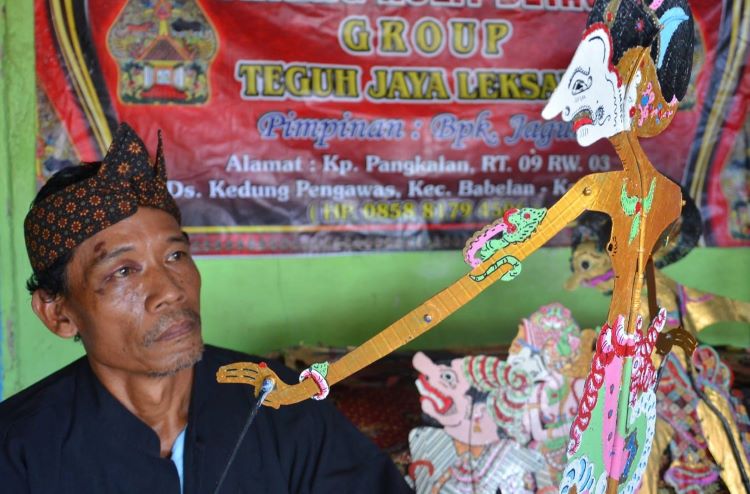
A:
[(590, 94), (530, 362)]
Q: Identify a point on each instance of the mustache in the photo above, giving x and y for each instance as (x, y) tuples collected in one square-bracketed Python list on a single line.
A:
[(167, 320)]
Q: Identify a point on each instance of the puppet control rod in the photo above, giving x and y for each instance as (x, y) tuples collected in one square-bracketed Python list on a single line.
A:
[(592, 192), (426, 316)]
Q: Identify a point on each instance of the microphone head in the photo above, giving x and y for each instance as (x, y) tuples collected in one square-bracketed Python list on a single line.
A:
[(267, 386)]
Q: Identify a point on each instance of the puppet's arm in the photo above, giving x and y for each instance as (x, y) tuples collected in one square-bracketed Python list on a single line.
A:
[(585, 194)]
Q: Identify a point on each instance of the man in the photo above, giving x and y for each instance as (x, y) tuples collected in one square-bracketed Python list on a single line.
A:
[(142, 411)]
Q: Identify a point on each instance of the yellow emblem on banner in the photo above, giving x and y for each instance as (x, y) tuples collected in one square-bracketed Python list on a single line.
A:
[(163, 52)]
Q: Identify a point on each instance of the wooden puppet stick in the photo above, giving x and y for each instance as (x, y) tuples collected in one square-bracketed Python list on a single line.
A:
[(429, 314)]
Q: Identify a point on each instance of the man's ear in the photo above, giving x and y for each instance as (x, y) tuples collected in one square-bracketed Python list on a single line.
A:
[(52, 311)]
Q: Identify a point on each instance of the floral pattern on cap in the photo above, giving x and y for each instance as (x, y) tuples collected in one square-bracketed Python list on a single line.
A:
[(125, 181)]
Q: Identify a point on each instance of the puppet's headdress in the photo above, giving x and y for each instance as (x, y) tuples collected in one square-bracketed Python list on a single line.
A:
[(666, 26), (125, 181)]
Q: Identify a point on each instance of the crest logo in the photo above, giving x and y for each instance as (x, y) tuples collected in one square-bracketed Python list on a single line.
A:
[(163, 50)]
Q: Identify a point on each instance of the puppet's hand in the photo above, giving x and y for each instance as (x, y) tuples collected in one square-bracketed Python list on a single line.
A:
[(252, 374)]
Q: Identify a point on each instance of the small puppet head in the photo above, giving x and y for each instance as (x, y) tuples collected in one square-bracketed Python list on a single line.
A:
[(443, 389), (629, 71), (447, 396), (552, 332)]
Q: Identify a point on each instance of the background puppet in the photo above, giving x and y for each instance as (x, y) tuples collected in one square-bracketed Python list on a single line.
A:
[(694, 309), (533, 396), (565, 350), (704, 427), (468, 452), (503, 423)]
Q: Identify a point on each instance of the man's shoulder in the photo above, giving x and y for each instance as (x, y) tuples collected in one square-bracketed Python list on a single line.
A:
[(51, 396)]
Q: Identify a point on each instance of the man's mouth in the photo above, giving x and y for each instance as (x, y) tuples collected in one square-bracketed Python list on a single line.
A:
[(440, 402), (173, 326), (582, 118), (176, 330)]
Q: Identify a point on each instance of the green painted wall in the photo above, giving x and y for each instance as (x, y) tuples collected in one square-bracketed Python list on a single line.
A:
[(262, 304), (17, 123)]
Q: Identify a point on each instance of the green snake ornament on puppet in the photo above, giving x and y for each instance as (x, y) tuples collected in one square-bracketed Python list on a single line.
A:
[(631, 68)]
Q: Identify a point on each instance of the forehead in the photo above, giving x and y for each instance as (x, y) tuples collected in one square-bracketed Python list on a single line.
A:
[(147, 226)]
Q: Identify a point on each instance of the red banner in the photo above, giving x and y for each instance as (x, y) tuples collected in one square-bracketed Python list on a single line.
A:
[(355, 125)]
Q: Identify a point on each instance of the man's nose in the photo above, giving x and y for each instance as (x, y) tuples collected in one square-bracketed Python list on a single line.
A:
[(165, 289)]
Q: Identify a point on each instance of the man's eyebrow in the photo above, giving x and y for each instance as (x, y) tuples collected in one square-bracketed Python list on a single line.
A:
[(181, 238), (106, 256)]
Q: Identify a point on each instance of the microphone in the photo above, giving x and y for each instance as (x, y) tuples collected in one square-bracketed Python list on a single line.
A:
[(265, 388)]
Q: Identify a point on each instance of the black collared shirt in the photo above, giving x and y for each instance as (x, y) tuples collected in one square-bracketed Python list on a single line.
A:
[(68, 434)]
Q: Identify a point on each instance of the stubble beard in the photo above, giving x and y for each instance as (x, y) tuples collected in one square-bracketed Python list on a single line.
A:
[(183, 360)]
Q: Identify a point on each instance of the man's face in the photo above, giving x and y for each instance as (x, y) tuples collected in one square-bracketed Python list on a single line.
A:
[(134, 295), (589, 93)]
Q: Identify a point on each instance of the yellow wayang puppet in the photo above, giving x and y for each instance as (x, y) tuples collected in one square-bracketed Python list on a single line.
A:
[(631, 68)]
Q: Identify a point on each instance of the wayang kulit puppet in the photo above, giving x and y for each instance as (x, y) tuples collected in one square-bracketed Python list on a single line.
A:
[(701, 427), (631, 68), (494, 424), (468, 450)]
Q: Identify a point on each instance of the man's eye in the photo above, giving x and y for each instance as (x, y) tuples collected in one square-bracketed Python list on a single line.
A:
[(177, 255), (123, 272)]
